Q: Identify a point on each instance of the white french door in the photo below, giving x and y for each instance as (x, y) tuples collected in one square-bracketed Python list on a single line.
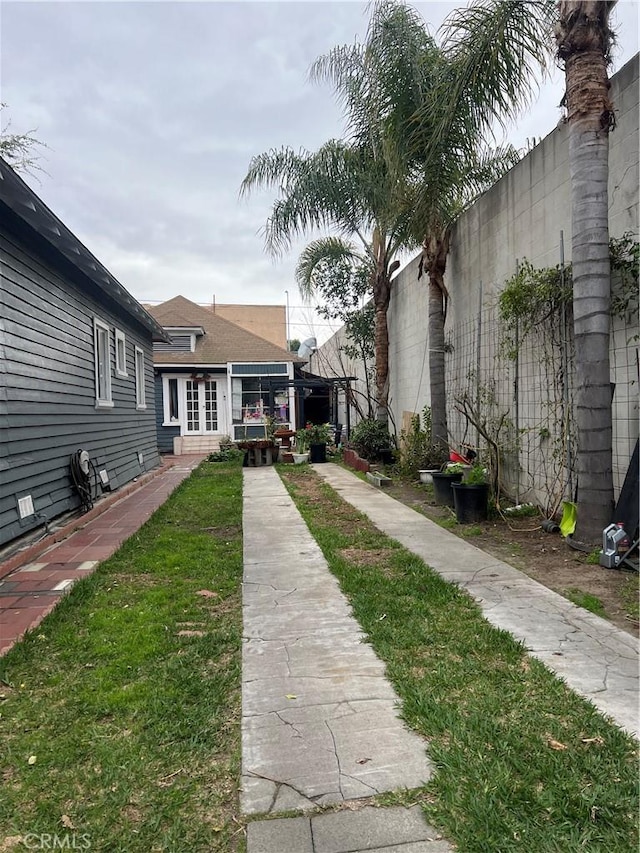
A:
[(203, 407)]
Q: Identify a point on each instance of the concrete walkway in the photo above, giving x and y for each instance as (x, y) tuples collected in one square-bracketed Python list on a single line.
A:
[(319, 721), (594, 657)]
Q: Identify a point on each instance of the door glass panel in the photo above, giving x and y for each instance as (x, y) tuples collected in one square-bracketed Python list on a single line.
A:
[(210, 406), (193, 407)]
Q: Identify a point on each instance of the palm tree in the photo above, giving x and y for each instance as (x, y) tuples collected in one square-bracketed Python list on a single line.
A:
[(432, 107), (488, 58), (436, 213), (584, 40), (347, 188)]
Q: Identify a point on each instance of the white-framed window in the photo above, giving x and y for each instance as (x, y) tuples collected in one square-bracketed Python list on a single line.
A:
[(102, 357), (140, 389), (170, 400), (121, 353)]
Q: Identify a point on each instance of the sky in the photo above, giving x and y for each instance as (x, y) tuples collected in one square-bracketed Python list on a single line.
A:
[(152, 111)]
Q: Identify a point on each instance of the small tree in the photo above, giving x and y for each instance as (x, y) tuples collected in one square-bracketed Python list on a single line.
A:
[(343, 284), (19, 149)]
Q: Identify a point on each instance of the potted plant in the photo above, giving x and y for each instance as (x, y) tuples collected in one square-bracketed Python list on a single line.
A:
[(372, 441), (315, 437), (443, 480), (471, 497), (435, 456)]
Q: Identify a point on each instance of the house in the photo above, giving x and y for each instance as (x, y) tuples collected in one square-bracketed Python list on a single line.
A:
[(215, 378), (76, 370)]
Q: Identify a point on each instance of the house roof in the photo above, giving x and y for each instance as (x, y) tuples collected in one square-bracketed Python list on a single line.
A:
[(17, 199), (222, 342)]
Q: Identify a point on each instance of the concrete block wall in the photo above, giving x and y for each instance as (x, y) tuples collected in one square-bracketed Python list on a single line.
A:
[(521, 216)]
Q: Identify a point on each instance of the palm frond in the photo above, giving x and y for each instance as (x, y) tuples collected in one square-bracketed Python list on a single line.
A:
[(322, 252), (496, 50)]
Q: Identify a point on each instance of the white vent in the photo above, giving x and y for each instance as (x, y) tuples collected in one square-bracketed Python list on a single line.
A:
[(25, 506), (141, 458), (104, 477)]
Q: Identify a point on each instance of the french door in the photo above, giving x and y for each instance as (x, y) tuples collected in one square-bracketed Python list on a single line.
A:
[(204, 407)]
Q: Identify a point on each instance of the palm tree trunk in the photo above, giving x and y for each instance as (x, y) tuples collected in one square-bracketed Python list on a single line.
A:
[(381, 298), (583, 42), (436, 248), (381, 340)]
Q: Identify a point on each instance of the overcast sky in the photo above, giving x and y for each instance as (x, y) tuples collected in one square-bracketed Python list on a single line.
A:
[(153, 110)]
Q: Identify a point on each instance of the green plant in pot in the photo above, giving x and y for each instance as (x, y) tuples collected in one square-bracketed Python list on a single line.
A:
[(476, 476), (315, 438), (443, 482), (372, 440), (471, 497)]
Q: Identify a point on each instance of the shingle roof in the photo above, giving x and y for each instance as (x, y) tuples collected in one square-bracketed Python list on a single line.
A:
[(222, 342)]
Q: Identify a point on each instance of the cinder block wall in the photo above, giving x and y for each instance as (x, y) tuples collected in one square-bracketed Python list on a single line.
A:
[(521, 216)]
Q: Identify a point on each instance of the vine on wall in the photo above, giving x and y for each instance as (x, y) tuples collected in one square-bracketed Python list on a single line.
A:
[(533, 297), (535, 316)]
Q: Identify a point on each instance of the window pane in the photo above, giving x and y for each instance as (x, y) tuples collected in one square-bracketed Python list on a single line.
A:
[(193, 406), (103, 364), (254, 401), (281, 406), (140, 389), (121, 362), (173, 399), (211, 406)]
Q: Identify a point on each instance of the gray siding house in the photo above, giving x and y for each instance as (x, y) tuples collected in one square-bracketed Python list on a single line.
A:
[(76, 368)]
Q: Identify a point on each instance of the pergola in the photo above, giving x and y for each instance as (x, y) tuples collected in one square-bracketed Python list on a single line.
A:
[(332, 384)]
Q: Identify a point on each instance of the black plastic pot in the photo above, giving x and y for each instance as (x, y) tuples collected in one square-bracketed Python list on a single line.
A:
[(442, 487), (471, 502), (317, 453)]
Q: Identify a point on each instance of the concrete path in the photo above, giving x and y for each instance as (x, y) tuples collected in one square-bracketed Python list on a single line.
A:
[(594, 657), (319, 721), (394, 830)]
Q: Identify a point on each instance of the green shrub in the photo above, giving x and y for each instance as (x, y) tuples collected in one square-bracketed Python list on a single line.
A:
[(227, 453), (370, 438), (417, 451)]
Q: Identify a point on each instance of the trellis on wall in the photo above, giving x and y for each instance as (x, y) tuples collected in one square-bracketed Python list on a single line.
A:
[(512, 366)]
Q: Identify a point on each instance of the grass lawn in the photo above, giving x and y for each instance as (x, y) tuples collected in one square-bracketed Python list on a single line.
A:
[(523, 763), (120, 713)]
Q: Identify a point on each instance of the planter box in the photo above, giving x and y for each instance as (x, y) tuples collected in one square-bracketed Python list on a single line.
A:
[(378, 479)]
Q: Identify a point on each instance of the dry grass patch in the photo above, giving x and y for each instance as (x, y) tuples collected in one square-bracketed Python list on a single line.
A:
[(365, 556)]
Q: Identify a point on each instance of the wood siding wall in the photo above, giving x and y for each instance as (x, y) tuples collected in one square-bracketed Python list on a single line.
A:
[(47, 385)]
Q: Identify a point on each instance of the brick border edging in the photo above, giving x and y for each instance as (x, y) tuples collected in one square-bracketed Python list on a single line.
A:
[(351, 458), (39, 548)]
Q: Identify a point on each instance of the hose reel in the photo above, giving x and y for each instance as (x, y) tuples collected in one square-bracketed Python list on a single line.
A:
[(81, 468)]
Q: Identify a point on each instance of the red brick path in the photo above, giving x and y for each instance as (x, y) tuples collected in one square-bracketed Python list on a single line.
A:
[(33, 581)]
